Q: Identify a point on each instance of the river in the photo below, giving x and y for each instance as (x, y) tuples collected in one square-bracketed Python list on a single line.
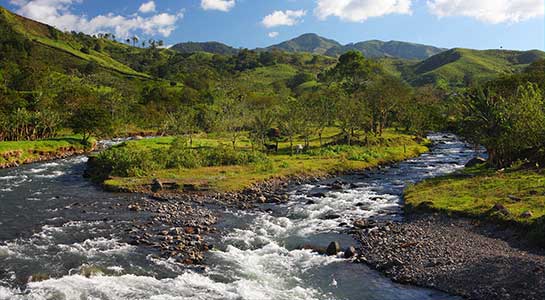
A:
[(68, 235)]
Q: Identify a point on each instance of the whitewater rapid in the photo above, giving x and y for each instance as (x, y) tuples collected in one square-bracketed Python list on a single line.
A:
[(73, 239)]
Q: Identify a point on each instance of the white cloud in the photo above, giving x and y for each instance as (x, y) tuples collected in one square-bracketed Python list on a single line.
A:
[(147, 7), (283, 18), (489, 11), (58, 13), (222, 5), (361, 10), (273, 34)]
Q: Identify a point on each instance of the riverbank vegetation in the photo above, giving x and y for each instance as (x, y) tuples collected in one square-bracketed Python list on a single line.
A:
[(514, 196), (212, 164), (507, 117), (17, 153)]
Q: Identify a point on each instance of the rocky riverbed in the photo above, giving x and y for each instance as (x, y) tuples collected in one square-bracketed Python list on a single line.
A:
[(178, 225), (460, 256)]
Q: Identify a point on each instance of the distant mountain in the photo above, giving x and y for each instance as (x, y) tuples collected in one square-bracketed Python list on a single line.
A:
[(316, 44), (210, 47), (463, 66), (395, 49), (309, 42)]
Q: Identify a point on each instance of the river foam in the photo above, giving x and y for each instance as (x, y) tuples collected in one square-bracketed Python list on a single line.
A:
[(258, 257)]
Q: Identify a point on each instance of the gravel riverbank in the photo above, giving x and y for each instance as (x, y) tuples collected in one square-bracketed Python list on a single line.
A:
[(456, 255)]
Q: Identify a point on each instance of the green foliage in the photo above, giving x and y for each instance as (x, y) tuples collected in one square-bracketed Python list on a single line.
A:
[(510, 128), (134, 160), (355, 153), (91, 120)]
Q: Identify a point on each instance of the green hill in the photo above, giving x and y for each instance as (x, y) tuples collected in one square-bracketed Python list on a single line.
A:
[(309, 42), (55, 47), (463, 66), (393, 49), (210, 47)]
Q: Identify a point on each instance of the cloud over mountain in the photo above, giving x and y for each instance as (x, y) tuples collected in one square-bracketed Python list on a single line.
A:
[(361, 10), (283, 18)]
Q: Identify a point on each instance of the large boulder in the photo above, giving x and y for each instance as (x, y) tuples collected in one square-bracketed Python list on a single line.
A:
[(350, 252), (475, 162), (156, 185), (333, 248)]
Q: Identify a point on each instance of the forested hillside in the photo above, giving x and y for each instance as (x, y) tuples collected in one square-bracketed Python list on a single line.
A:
[(51, 79)]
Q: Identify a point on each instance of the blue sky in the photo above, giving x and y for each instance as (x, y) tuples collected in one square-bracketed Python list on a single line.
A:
[(479, 24)]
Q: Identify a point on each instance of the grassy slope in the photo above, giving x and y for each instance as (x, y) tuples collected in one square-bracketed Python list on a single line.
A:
[(394, 147), (41, 34), (454, 65), (30, 150), (476, 194), (260, 79)]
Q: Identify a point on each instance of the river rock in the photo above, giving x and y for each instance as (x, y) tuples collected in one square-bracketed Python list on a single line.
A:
[(362, 224), (514, 198), (501, 209), (337, 186), (331, 216), (350, 252), (527, 214), (317, 195), (475, 161), (333, 248), (156, 185)]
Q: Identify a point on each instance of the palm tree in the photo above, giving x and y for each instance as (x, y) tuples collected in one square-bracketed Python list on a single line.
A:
[(135, 40)]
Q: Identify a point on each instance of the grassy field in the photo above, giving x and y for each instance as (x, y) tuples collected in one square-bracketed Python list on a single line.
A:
[(25, 151), (317, 161), (475, 195)]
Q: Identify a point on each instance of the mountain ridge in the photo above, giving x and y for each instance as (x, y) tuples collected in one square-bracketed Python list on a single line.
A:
[(315, 44)]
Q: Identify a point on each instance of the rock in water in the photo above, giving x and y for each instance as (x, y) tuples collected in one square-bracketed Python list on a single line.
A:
[(350, 252), (333, 248), (475, 161), (156, 185)]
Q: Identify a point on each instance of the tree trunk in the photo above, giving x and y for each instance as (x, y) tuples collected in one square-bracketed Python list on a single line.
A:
[(291, 145)]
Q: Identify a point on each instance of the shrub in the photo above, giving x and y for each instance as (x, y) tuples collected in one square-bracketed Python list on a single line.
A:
[(133, 160), (354, 153), (129, 160)]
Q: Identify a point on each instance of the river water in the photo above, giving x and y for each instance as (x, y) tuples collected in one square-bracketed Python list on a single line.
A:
[(68, 236)]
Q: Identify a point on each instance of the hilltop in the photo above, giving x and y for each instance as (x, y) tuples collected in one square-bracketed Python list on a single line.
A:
[(463, 66), (210, 47), (315, 44)]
